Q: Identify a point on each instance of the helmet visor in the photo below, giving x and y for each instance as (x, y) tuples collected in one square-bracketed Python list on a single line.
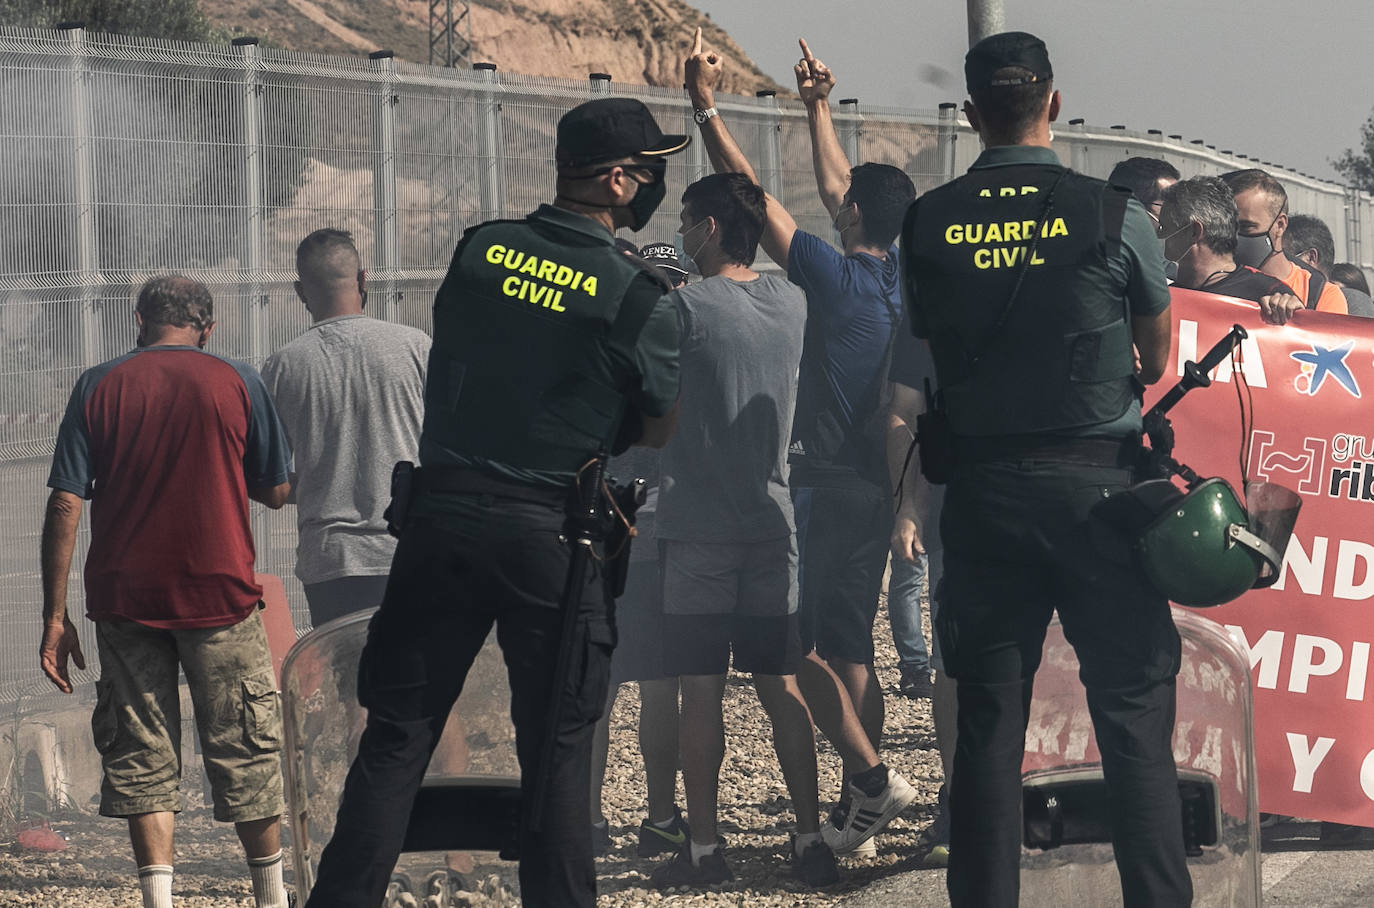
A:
[(1273, 511)]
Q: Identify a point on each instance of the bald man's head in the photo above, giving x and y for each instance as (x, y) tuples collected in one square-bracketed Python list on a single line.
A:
[(331, 278)]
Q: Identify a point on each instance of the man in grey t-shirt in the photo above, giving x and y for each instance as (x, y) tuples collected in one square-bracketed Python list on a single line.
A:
[(350, 392), (724, 521)]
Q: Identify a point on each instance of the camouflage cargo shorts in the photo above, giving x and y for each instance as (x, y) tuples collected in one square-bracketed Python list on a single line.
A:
[(137, 719)]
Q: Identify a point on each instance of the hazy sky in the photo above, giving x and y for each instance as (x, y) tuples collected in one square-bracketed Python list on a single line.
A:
[(1289, 82)]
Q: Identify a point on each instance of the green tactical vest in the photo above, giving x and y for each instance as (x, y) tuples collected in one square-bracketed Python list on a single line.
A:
[(533, 351), (1063, 358)]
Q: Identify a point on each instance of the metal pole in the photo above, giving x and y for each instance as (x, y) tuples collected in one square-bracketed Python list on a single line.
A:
[(384, 183), (946, 136), (985, 17), (1078, 151), (492, 169), (851, 135), (254, 261), (1352, 225), (770, 144), (87, 249)]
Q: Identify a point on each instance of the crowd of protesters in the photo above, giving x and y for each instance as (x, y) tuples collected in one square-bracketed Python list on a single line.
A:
[(782, 499)]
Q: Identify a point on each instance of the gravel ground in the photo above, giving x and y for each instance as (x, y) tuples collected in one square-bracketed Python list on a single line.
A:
[(755, 816)]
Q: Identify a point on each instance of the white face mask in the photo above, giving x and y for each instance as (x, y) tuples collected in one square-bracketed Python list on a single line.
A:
[(847, 218), (685, 259)]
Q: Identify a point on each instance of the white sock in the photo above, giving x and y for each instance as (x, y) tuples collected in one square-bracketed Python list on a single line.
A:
[(268, 889), (156, 882), (664, 824), (804, 841), (701, 851)]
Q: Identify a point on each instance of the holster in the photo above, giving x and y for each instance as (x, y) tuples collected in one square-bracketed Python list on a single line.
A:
[(402, 489), (935, 439), (628, 498)]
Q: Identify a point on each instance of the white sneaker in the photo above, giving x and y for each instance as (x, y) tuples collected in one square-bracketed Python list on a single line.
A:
[(867, 816)]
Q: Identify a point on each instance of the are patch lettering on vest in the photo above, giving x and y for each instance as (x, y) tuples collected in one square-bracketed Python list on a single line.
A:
[(540, 282), (993, 240)]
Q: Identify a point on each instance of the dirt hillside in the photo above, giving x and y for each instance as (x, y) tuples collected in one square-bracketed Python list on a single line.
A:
[(638, 41)]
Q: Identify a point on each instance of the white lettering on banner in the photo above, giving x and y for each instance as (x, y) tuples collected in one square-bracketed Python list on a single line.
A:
[(1307, 570), (1359, 671), (1367, 775), (1345, 585), (1266, 654), (1304, 647), (1250, 361), (1306, 761)]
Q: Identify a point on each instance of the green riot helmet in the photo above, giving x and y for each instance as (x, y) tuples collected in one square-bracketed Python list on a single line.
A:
[(1201, 547)]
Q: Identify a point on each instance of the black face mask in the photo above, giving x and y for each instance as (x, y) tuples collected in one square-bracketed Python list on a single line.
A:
[(1255, 249), (647, 197), (646, 201)]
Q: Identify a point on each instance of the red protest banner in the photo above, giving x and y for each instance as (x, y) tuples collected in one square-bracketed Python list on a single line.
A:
[(1309, 635)]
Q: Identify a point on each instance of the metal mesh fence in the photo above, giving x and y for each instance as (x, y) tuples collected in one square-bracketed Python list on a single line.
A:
[(128, 157)]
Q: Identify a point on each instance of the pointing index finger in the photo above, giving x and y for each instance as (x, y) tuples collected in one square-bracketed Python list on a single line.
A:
[(696, 47), (806, 51)]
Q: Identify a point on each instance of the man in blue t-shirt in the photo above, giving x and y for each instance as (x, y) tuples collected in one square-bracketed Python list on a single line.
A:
[(838, 477)]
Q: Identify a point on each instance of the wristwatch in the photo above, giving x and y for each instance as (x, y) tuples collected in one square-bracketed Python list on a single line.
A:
[(701, 116)]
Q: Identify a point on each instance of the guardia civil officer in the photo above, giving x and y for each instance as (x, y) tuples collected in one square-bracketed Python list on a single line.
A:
[(548, 345), (1031, 284)]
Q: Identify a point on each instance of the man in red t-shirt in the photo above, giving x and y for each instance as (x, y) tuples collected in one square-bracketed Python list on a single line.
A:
[(169, 442)]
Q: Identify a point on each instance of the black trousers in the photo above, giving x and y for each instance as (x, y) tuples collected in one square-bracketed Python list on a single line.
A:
[(471, 562), (1019, 545)]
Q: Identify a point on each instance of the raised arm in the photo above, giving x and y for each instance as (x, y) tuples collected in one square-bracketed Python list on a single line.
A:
[(703, 70), (814, 82)]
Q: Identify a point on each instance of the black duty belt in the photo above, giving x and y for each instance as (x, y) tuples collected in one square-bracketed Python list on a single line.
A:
[(468, 481), (1097, 452)]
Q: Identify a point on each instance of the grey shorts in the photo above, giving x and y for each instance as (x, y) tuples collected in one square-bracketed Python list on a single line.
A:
[(137, 718), (724, 598)]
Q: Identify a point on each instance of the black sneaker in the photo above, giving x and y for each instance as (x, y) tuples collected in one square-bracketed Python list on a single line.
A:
[(816, 865), (916, 684), (680, 871), (601, 839), (655, 840)]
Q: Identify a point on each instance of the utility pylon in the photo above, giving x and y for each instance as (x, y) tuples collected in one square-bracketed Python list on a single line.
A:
[(450, 33)]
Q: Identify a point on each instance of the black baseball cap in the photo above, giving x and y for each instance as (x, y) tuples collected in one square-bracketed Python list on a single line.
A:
[(664, 255), (610, 128), (1000, 51)]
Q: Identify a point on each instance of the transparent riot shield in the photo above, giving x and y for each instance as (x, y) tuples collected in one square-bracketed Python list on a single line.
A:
[(1066, 858), (323, 723)]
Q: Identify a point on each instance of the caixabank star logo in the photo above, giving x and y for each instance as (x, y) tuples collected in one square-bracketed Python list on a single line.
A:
[(1320, 364)]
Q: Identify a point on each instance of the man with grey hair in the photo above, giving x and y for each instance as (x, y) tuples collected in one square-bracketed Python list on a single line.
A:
[(170, 442), (1308, 241), (1197, 228), (351, 394)]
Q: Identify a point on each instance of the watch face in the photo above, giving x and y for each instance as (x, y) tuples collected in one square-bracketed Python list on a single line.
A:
[(700, 116)]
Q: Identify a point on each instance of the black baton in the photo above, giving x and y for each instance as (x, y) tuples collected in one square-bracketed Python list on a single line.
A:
[(582, 530)]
